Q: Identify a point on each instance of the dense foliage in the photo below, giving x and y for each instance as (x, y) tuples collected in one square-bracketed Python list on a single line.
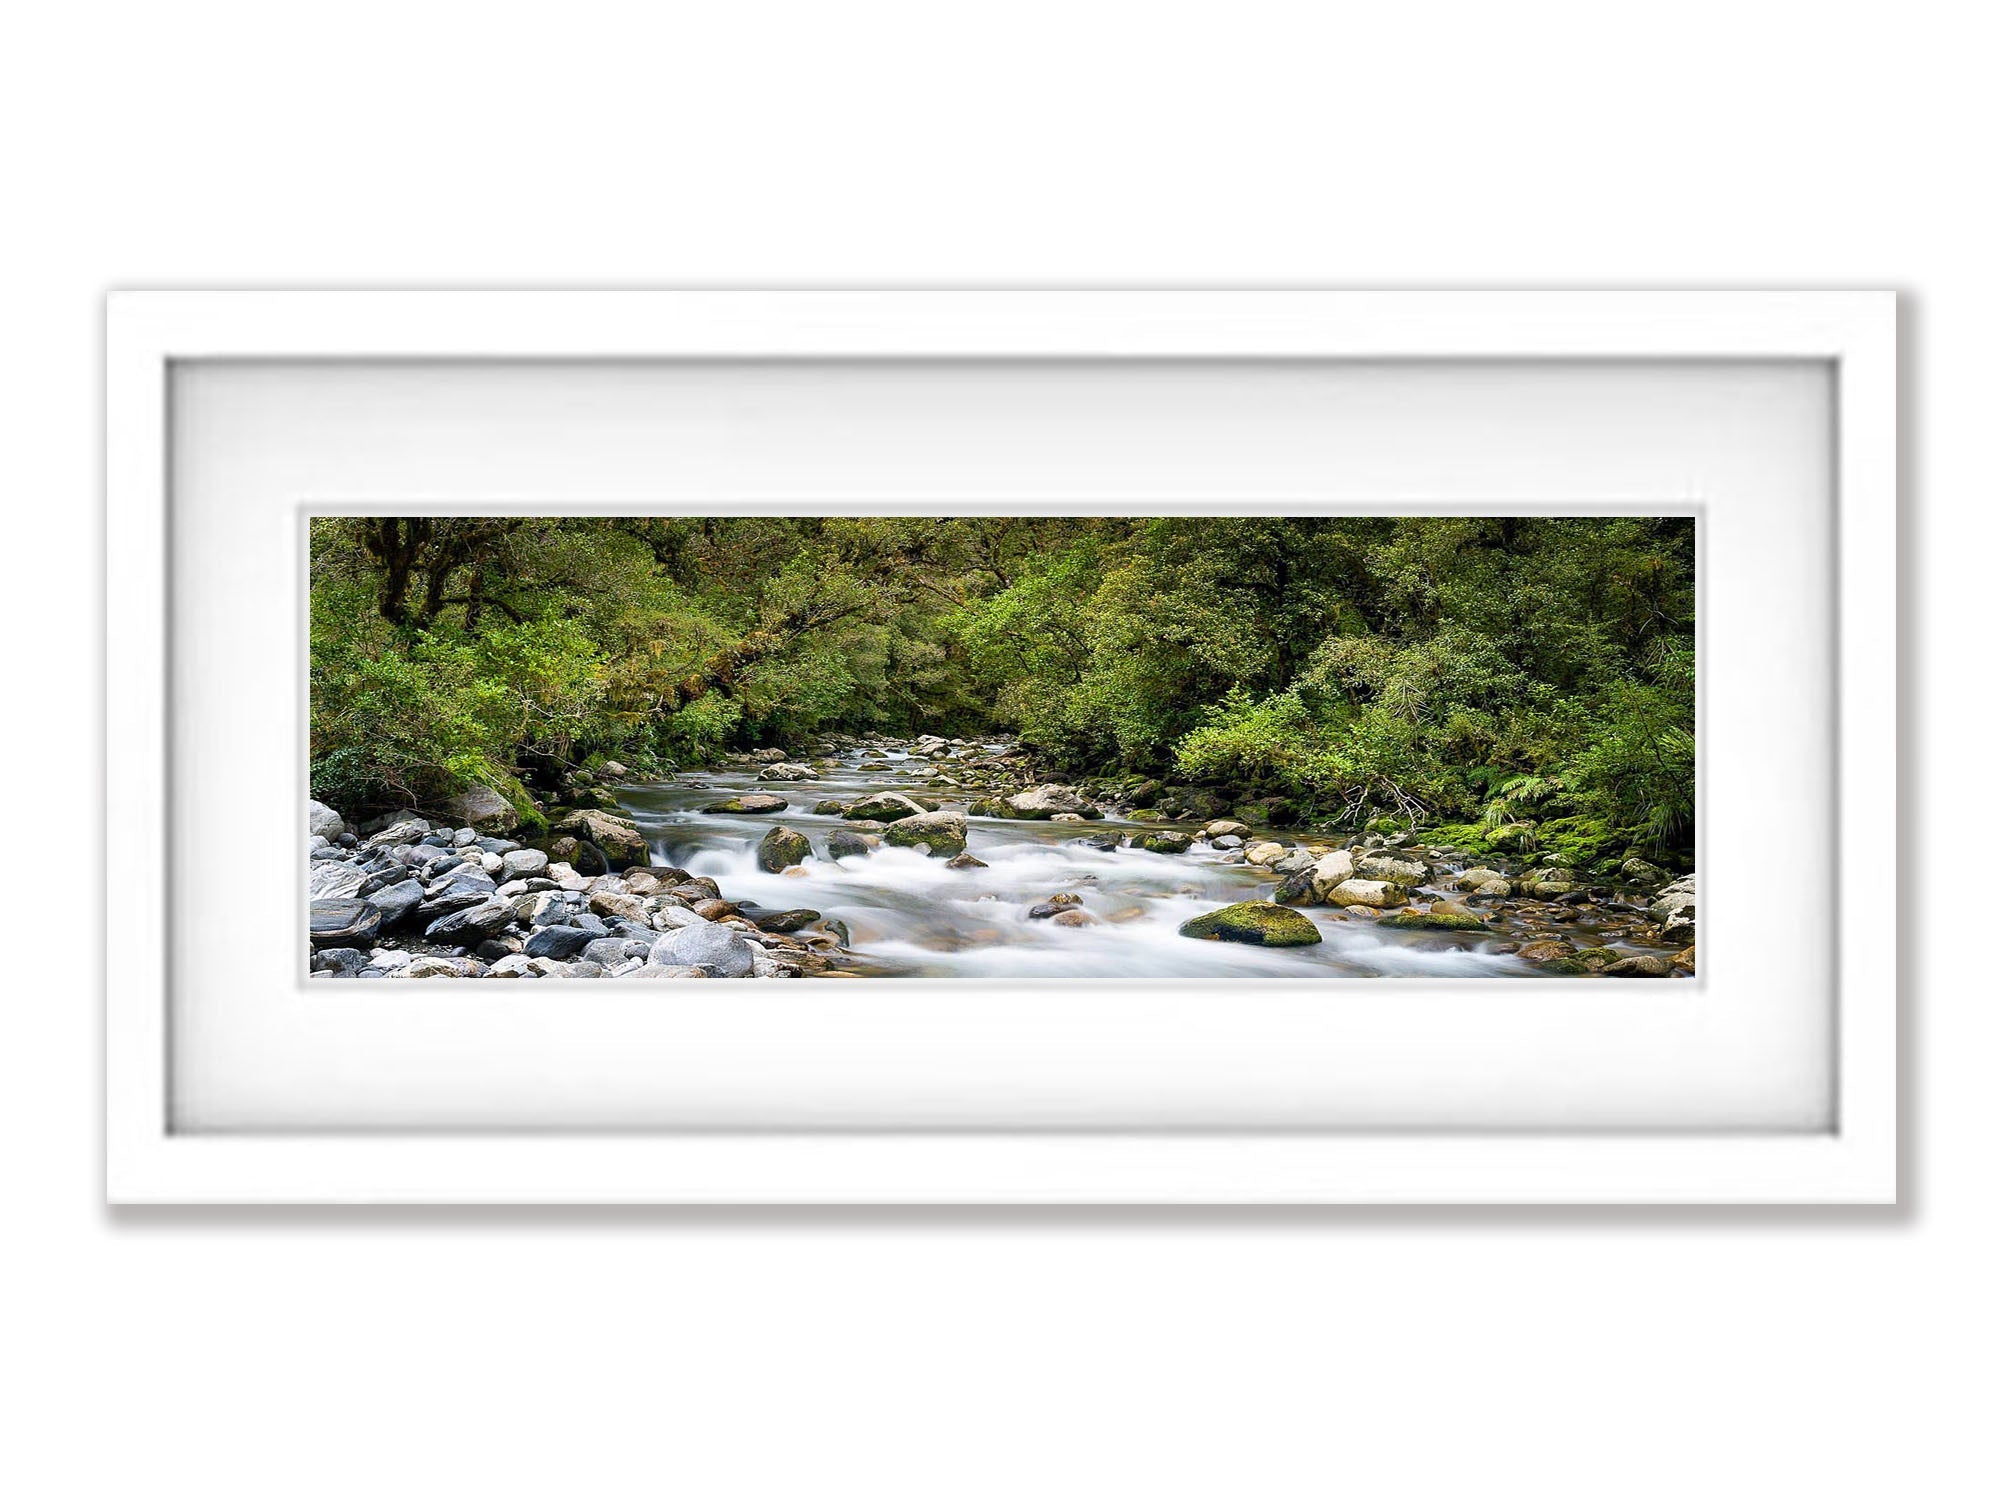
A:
[(1483, 673)]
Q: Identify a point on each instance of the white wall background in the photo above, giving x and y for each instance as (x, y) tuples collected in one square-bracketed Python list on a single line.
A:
[(1448, 1353)]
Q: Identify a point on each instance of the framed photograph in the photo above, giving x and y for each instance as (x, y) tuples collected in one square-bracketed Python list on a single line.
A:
[(1002, 747)]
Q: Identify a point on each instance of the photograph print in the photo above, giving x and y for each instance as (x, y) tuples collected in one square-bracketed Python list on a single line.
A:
[(1145, 747)]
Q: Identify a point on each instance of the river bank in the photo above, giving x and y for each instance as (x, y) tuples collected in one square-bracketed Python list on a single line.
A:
[(945, 859)]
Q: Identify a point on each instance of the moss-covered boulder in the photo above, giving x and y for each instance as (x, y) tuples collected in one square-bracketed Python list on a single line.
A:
[(887, 807), (1440, 916), (940, 834), (782, 848), (749, 802), (1165, 843), (1263, 924)]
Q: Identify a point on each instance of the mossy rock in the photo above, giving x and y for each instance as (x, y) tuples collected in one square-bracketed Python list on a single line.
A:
[(1563, 966), (1263, 924), (782, 848), (1165, 843), (1441, 917)]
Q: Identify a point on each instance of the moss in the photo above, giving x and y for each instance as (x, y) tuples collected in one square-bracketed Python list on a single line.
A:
[(1441, 917), (1470, 838), (1262, 923), (1563, 966), (1597, 956)]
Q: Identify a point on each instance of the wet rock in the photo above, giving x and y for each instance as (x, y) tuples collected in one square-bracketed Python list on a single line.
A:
[(830, 809), (1378, 894), (965, 861), (618, 837), (783, 847), (939, 834), (1223, 828), (1296, 889), (1265, 853), (1048, 799), (845, 843), (1227, 841), (749, 802), (344, 923), (1074, 916), (1042, 910), (1165, 843), (1263, 923), (785, 921), (784, 770), (1440, 916), (885, 807), (710, 947), (1685, 958)]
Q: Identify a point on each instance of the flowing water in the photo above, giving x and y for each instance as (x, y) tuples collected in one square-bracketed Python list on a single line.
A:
[(909, 915)]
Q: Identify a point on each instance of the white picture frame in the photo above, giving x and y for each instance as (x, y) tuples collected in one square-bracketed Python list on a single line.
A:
[(1852, 1160)]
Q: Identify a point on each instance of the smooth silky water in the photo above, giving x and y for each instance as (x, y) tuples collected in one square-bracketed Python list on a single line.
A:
[(909, 915)]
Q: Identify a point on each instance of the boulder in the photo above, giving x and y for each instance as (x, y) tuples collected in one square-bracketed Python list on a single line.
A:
[(1262, 923), (557, 942), (749, 802), (397, 901), (618, 906), (471, 925), (334, 879), (339, 962), (1399, 866), (1165, 843), (784, 770), (1264, 853), (1329, 870), (1640, 966), (1047, 800), (437, 966), (713, 948), (1074, 916), (323, 822), (611, 770), (1377, 894), (939, 834), (845, 843), (343, 923), (886, 807), (1225, 828), (618, 837), (483, 809), (1642, 873), (520, 864), (965, 861), (829, 808), (1441, 916), (785, 921), (782, 848), (1297, 889)]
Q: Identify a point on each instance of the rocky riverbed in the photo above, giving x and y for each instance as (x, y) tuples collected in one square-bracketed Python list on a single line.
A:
[(944, 858)]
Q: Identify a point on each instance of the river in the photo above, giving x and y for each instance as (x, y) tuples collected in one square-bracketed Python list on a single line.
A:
[(907, 914)]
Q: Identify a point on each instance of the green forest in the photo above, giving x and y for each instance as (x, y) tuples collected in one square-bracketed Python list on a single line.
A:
[(1478, 676)]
